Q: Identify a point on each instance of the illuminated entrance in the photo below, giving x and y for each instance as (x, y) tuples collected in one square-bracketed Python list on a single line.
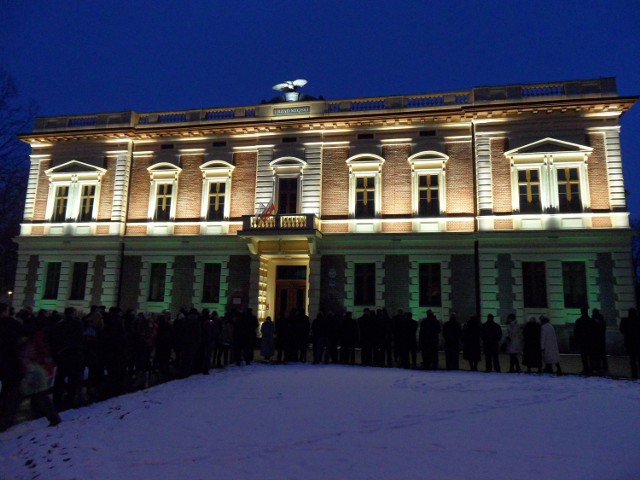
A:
[(291, 289)]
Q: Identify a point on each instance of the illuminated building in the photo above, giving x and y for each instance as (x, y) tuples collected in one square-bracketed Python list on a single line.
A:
[(491, 200)]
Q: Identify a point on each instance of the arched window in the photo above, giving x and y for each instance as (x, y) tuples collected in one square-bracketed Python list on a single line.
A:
[(428, 192), (364, 185), (164, 191), (216, 190), (287, 177)]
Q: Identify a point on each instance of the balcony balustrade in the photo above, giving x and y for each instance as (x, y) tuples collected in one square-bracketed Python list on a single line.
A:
[(280, 224)]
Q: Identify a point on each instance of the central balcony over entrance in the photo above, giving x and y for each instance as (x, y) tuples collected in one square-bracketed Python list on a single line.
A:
[(281, 233)]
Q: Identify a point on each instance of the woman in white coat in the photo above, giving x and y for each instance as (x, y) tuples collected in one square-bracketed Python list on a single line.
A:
[(549, 346), (514, 343)]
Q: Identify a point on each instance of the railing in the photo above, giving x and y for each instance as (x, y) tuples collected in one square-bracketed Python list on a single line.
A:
[(476, 96), (280, 222)]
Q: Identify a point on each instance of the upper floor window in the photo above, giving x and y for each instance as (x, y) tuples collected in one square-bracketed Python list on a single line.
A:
[(428, 183), (288, 176), (74, 192), (164, 187), (550, 176), (216, 178), (365, 194)]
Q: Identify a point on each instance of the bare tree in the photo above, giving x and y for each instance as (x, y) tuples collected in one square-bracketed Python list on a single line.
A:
[(15, 118)]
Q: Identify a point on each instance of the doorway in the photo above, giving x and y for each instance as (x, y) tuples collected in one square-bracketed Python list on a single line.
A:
[(291, 289)]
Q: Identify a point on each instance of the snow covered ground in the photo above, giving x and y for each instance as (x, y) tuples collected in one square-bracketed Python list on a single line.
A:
[(340, 422)]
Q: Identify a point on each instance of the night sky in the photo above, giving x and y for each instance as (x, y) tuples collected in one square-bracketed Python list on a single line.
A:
[(99, 56)]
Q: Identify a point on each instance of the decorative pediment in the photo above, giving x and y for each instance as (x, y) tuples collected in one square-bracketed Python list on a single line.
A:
[(164, 170), (288, 162), (74, 167), (428, 159), (216, 168), (365, 162), (548, 146)]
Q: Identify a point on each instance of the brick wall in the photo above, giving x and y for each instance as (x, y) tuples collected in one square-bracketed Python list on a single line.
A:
[(459, 179), (335, 182), (243, 184), (501, 177), (106, 189), (402, 227), (189, 188), (42, 192), (396, 180), (598, 179), (139, 186)]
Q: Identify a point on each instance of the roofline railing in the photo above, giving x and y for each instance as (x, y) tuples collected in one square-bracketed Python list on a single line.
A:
[(476, 96)]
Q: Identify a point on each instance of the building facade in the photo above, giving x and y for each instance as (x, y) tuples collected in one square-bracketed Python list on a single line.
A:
[(492, 200)]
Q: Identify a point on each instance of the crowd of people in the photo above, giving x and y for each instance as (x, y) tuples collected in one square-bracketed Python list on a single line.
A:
[(66, 360)]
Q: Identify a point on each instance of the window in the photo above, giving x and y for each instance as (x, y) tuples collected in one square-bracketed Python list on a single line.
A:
[(534, 284), (550, 176), (430, 288), (365, 284), (288, 195), (164, 190), (428, 189), (365, 196), (211, 285), (60, 203), (574, 281), (215, 211), (216, 187), (163, 202), (157, 282), (569, 190), (428, 200), (78, 280), (74, 192), (529, 190), (52, 280)]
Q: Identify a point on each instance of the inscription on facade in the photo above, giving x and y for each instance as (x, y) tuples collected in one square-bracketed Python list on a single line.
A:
[(292, 110)]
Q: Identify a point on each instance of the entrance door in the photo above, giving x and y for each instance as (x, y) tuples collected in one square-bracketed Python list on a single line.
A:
[(291, 289)]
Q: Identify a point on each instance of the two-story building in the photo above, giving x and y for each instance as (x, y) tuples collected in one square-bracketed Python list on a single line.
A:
[(491, 200)]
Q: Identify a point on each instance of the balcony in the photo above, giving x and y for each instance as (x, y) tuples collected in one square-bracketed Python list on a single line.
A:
[(281, 234)]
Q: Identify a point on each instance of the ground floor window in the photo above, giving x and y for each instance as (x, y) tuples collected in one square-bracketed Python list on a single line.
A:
[(430, 285), (211, 284), (574, 281), (78, 280), (52, 281), (157, 282), (534, 284), (365, 284)]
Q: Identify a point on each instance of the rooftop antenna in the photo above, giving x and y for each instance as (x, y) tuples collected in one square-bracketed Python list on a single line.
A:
[(290, 89)]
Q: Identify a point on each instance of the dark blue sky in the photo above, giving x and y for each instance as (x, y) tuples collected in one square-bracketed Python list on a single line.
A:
[(87, 57)]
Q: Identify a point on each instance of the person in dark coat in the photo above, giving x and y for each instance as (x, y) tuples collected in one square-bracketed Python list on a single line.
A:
[(599, 346), (452, 335), (191, 338), (115, 352), (67, 354), (407, 341), (348, 339), (429, 339), (387, 339), (207, 342), (267, 330), (282, 333), (491, 335), (162, 357), (10, 366), (301, 331), (630, 329), (366, 327), (471, 346), (531, 354), (583, 332)]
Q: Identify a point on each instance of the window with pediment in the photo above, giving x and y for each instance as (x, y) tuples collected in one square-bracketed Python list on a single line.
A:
[(74, 192), (216, 188), (287, 174), (428, 183), (550, 175), (365, 195), (163, 192)]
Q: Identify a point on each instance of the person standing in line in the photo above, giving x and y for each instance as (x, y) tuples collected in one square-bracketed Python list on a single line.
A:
[(630, 329), (266, 346), (583, 334), (429, 340), (491, 335), (531, 353), (599, 348), (471, 349), (452, 334), (514, 343), (549, 346), (10, 367)]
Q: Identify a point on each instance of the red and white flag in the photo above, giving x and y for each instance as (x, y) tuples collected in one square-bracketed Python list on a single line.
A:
[(268, 210)]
